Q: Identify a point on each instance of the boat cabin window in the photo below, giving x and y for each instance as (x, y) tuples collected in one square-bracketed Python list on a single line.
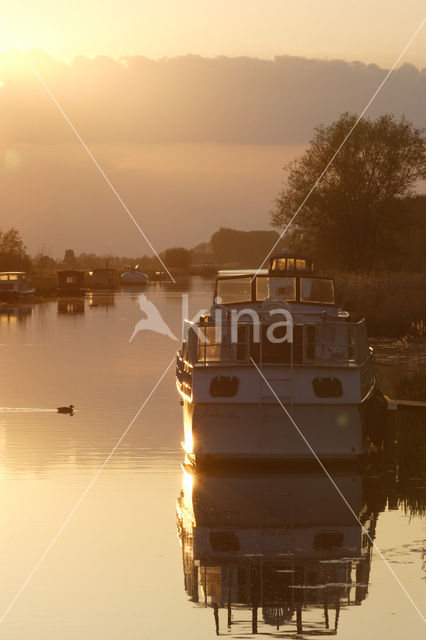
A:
[(289, 264), (71, 279), (320, 290), (287, 288), (301, 264), (278, 264), (9, 276), (234, 290), (283, 288)]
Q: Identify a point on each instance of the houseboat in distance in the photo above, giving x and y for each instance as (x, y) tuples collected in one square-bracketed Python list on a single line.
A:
[(272, 339), (14, 286), (71, 283)]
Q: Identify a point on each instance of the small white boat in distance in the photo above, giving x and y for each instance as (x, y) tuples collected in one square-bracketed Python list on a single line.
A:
[(14, 285), (134, 277)]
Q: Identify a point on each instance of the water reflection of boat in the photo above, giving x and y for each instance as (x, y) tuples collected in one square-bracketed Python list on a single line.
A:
[(14, 286), (11, 314), (158, 275), (271, 338), (71, 306), (101, 300), (279, 551)]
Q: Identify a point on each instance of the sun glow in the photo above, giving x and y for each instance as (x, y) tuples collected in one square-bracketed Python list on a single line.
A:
[(166, 28)]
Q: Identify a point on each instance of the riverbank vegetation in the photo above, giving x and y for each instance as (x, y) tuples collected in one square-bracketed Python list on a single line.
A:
[(393, 303)]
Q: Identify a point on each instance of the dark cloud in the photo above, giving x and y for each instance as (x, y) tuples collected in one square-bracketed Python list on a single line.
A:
[(192, 99)]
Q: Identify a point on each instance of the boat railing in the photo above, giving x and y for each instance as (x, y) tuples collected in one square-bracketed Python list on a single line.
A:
[(184, 372), (338, 343)]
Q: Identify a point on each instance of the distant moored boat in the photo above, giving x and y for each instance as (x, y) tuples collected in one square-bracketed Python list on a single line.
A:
[(14, 285), (134, 277)]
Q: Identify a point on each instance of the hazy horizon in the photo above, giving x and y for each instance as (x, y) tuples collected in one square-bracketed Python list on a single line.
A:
[(366, 31), (191, 143)]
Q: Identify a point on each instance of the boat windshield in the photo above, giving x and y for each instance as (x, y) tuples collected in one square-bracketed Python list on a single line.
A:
[(317, 290), (283, 288), (231, 290), (287, 288)]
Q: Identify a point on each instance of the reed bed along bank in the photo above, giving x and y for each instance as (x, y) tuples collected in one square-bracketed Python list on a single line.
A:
[(410, 427), (393, 303)]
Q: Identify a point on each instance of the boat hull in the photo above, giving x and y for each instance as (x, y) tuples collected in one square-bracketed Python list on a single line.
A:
[(17, 295), (133, 278), (224, 432)]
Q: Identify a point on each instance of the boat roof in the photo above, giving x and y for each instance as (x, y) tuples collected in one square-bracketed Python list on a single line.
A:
[(268, 274), (13, 273), (71, 271), (288, 253)]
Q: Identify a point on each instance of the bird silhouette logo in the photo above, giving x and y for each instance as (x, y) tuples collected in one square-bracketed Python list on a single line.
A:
[(153, 320)]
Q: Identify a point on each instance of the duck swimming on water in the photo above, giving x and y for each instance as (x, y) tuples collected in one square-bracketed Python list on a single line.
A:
[(69, 409)]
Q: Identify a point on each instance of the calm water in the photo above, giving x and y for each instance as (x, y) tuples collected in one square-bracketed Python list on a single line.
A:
[(121, 568)]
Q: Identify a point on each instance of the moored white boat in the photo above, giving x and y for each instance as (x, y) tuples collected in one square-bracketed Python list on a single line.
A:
[(283, 371)]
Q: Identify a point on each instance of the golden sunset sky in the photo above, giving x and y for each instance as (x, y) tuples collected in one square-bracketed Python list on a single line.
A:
[(366, 30), (191, 107)]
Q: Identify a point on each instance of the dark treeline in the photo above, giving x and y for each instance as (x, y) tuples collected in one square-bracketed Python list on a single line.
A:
[(349, 202), (401, 247), (392, 299), (227, 247)]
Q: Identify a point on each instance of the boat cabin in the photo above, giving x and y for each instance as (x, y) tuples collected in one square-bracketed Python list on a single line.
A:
[(70, 282), (290, 279), (306, 289), (321, 331), (11, 280), (14, 284)]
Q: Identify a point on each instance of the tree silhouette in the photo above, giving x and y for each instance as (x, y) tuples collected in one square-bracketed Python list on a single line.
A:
[(345, 218), (11, 242), (178, 258), (13, 256)]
